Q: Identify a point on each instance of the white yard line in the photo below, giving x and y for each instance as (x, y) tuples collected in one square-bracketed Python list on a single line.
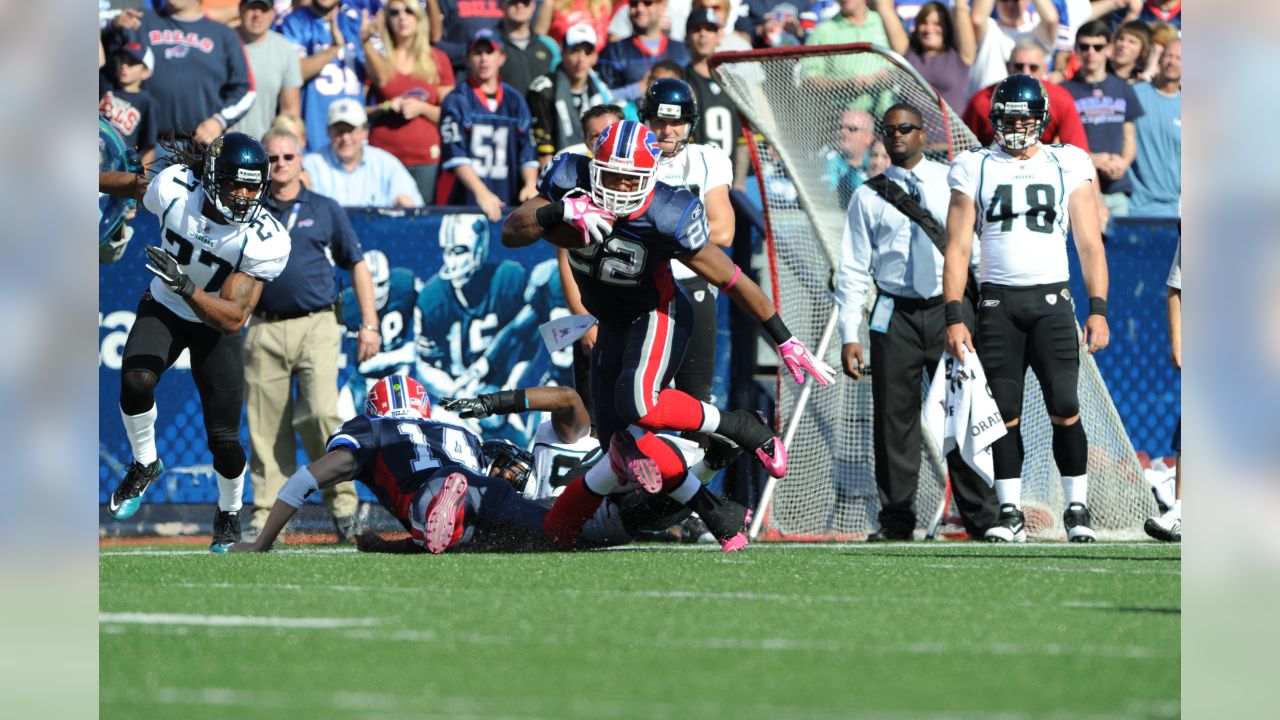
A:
[(141, 618)]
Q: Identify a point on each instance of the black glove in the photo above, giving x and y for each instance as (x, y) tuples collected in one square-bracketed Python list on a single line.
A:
[(468, 408), (165, 266)]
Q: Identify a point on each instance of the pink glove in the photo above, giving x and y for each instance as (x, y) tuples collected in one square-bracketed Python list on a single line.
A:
[(798, 359), (594, 221)]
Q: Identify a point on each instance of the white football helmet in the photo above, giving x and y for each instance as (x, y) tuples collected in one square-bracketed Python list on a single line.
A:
[(464, 241), (380, 269)]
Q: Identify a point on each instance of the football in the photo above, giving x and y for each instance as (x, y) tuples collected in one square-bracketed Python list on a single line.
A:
[(564, 235)]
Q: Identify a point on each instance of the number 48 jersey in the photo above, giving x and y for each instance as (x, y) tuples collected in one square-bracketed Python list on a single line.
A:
[(209, 251), (396, 457), (1022, 210)]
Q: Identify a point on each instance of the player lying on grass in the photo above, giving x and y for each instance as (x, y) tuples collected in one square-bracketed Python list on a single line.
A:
[(426, 473), (565, 440)]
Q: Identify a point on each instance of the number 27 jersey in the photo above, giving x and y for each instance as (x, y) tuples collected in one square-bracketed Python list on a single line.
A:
[(209, 251), (1022, 210)]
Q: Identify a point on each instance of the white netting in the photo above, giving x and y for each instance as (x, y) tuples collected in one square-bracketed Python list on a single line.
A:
[(796, 102)]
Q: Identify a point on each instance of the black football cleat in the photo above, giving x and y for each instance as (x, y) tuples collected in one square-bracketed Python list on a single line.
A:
[(226, 531)]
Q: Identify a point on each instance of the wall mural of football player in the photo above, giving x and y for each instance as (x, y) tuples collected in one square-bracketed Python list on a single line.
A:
[(395, 294), (463, 308)]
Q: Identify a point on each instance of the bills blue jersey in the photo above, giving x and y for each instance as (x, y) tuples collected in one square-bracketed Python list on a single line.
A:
[(497, 144), (459, 324), (343, 76), (395, 318), (396, 457), (623, 64), (625, 276)]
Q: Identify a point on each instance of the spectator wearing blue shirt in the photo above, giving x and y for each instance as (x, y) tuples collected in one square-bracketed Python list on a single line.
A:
[(354, 173), (328, 36), (1157, 171), (485, 125), (1108, 109), (624, 64), (294, 336)]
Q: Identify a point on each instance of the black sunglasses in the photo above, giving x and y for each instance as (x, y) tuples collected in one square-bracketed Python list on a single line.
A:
[(273, 159), (1029, 67), (1096, 47), (902, 129), (392, 12)]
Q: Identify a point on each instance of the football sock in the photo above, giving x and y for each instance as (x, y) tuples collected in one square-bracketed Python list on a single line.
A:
[(142, 435), (710, 418), (1071, 449), (724, 518), (670, 464), (1006, 453), (744, 428), (572, 510), (600, 478), (1075, 489), (686, 490), (230, 491), (1009, 492), (675, 410)]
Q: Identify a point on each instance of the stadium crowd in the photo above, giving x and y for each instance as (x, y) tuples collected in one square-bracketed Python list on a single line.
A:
[(409, 103)]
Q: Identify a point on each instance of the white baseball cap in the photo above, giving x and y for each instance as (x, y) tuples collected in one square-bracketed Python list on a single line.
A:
[(580, 34), (349, 111)]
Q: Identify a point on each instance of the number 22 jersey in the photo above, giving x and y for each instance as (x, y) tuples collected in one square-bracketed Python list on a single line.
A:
[(209, 251), (629, 273), (1022, 210)]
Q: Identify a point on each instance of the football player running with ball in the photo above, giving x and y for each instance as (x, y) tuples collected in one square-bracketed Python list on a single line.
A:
[(622, 228), (1023, 197), (217, 250)]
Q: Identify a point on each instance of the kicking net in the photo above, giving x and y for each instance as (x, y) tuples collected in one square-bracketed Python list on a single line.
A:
[(801, 106)]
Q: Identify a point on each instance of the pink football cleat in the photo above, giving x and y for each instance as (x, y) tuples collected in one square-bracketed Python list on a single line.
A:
[(738, 541), (629, 463), (777, 464), (444, 519)]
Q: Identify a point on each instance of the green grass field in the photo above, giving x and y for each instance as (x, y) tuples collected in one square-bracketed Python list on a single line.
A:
[(901, 631)]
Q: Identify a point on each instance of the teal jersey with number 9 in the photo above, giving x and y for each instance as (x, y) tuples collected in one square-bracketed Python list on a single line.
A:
[(621, 278), (1022, 208), (207, 250)]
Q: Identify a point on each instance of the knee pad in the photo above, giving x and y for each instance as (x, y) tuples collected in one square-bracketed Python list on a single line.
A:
[(137, 391), (228, 458), (1008, 397), (1066, 401), (1071, 449), (1007, 454)]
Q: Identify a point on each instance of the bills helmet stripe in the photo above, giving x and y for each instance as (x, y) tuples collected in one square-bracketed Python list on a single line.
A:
[(398, 396)]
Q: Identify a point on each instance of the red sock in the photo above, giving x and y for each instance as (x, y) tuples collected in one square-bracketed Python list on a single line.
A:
[(669, 462), (675, 410), (572, 510)]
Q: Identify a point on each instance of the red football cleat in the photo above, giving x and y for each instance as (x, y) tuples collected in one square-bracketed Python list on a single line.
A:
[(444, 518)]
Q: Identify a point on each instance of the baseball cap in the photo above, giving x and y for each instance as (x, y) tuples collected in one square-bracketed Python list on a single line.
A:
[(580, 34), (702, 16), (140, 53), (488, 35), (264, 3), (347, 110)]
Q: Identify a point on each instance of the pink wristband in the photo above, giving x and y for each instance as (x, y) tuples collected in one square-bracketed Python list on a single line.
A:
[(737, 273)]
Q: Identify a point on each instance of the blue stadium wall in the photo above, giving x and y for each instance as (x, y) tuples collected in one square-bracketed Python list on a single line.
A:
[(1136, 368)]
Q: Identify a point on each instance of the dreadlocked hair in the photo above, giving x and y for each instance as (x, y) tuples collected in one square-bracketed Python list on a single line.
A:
[(181, 149)]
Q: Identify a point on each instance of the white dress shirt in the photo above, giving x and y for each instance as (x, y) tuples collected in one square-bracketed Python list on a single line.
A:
[(881, 242)]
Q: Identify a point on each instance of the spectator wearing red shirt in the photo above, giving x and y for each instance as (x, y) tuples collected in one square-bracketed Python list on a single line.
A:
[(409, 85), (1064, 124)]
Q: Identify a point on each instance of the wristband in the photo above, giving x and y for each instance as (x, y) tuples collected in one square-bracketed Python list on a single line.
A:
[(777, 329), (370, 328), (1098, 306), (508, 401), (298, 487), (548, 215), (954, 312), (737, 273)]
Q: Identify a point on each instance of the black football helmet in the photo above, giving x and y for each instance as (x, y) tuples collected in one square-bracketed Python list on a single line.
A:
[(670, 99), (506, 461), (1019, 96), (236, 159)]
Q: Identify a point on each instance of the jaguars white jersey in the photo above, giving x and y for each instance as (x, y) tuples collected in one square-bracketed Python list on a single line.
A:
[(698, 168), (209, 251), (1022, 210), (553, 459)]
